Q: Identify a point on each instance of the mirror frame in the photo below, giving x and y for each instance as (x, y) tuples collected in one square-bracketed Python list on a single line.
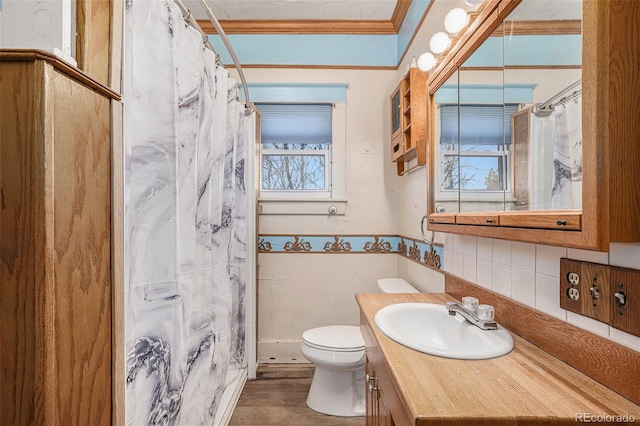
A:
[(610, 200)]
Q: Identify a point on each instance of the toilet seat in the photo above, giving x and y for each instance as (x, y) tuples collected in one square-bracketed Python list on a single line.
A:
[(335, 338)]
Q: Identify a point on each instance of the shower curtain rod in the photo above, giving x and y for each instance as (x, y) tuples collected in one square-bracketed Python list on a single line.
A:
[(221, 33), (546, 108), (188, 18), (186, 14)]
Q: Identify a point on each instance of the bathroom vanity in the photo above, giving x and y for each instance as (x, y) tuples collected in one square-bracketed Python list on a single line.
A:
[(526, 386)]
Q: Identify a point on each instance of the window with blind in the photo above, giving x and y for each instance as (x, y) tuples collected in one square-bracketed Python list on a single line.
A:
[(478, 157), (296, 147)]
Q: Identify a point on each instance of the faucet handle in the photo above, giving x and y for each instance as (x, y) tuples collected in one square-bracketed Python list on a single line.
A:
[(486, 313), (470, 304)]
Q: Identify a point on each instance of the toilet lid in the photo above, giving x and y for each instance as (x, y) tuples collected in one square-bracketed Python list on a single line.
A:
[(339, 338)]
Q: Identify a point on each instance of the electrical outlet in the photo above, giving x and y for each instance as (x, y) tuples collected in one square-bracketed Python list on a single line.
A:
[(573, 278), (573, 293), (585, 289), (569, 279)]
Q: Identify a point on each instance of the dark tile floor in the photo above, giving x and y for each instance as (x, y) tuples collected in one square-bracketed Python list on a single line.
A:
[(278, 397)]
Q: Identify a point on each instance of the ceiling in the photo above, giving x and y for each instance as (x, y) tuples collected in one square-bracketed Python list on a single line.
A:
[(303, 16)]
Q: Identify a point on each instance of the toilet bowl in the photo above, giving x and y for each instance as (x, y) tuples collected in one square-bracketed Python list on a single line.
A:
[(337, 387), (338, 384)]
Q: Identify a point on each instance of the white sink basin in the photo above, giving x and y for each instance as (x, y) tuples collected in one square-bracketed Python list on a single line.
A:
[(429, 328)]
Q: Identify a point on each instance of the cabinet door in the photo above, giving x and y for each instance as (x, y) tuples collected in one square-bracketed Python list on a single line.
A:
[(377, 412), (371, 395), (384, 415), (397, 124), (81, 218)]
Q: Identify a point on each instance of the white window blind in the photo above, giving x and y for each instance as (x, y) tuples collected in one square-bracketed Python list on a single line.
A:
[(296, 123), (481, 124)]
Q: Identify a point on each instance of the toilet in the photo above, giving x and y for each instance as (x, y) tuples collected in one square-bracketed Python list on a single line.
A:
[(337, 351)]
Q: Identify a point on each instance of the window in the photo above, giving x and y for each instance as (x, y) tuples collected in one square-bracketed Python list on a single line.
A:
[(478, 158), (296, 149)]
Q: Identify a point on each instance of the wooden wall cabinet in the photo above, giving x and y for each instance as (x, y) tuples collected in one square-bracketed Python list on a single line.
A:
[(409, 120), (55, 243), (610, 130)]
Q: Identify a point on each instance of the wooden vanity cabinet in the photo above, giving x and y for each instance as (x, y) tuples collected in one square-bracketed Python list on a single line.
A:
[(610, 130), (377, 412), (409, 120), (55, 244), (384, 405)]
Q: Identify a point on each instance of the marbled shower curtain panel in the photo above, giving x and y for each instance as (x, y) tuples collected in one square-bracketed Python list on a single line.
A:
[(184, 219)]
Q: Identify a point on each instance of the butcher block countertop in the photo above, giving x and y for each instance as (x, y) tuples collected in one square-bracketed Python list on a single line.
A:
[(526, 386)]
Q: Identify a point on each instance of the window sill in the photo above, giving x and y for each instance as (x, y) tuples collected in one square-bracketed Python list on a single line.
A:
[(284, 206)]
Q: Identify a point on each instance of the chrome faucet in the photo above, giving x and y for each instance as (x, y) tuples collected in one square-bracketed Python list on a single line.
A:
[(456, 308)]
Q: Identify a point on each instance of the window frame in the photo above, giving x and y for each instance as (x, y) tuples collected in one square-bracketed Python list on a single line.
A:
[(305, 193), (312, 202), (471, 194)]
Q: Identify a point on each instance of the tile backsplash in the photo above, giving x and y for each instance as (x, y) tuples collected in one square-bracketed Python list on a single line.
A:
[(530, 274)]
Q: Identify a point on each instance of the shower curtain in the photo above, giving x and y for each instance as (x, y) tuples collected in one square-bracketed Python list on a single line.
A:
[(555, 158), (541, 161), (567, 159), (185, 240)]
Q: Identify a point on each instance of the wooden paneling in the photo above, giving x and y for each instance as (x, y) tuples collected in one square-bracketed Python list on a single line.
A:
[(605, 361), (22, 225), (30, 55), (526, 386), (300, 27), (623, 126), (93, 47), (117, 262), (82, 251), (56, 244)]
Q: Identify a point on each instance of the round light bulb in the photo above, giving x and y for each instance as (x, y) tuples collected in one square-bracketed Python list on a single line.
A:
[(439, 43), (456, 20), (426, 61)]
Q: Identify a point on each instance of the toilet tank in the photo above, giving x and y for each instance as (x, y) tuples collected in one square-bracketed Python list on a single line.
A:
[(395, 285)]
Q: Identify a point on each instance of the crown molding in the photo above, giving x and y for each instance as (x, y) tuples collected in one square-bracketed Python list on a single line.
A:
[(308, 26)]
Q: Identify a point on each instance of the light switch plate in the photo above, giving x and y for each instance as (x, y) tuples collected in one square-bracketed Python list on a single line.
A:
[(626, 317), (590, 289)]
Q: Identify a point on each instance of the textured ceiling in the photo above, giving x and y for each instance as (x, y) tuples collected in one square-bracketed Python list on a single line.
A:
[(281, 10)]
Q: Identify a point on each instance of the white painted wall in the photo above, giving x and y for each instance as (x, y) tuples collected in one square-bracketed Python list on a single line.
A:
[(46, 24), (297, 292), (301, 291)]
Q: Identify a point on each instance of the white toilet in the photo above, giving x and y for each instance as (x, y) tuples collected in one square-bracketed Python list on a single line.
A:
[(337, 351)]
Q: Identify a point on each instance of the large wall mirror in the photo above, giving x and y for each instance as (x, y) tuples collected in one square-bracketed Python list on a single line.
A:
[(533, 127), (507, 132)]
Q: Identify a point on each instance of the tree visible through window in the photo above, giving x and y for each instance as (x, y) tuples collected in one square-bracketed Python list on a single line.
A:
[(291, 166), (296, 147)]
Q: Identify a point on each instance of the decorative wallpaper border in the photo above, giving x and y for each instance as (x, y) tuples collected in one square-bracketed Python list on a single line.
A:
[(416, 250)]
